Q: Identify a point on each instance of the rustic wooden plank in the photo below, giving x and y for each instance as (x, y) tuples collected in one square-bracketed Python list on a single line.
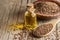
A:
[(4, 21), (13, 13), (1, 17), (19, 13), (4, 18), (33, 0), (58, 31), (4, 33)]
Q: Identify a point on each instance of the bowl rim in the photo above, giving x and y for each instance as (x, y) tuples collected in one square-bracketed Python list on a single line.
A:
[(46, 15)]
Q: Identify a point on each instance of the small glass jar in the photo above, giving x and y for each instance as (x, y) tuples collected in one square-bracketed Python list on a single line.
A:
[(30, 19)]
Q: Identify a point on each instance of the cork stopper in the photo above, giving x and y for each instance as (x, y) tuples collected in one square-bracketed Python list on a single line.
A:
[(30, 7)]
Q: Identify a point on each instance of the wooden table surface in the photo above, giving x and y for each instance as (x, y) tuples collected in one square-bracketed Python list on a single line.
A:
[(11, 11)]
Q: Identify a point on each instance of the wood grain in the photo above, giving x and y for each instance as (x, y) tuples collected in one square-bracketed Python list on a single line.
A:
[(11, 12)]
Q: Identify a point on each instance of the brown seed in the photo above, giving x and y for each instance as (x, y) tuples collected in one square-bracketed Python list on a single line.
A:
[(42, 30), (47, 7)]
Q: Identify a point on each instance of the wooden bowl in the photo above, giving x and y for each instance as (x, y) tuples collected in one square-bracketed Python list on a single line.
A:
[(53, 23), (44, 15)]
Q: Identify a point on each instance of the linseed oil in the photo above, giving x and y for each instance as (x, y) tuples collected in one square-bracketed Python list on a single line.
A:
[(30, 20)]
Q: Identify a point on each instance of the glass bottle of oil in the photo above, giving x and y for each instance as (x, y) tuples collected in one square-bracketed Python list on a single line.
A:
[(30, 19)]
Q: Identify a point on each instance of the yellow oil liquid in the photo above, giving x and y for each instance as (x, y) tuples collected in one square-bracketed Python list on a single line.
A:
[(17, 26), (30, 20)]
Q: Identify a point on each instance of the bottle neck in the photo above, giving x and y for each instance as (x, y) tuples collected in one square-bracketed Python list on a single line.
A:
[(32, 11)]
